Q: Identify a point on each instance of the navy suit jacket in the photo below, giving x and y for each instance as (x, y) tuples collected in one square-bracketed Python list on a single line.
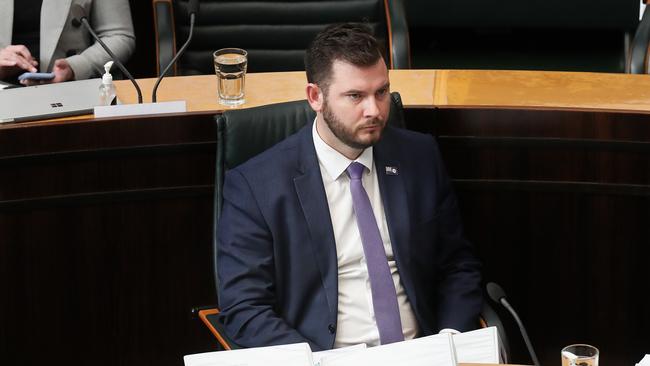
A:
[(277, 261)]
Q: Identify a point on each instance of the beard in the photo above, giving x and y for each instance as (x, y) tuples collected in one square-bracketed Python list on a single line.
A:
[(347, 135)]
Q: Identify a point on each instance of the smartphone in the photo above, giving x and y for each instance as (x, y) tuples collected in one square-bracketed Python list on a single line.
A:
[(36, 76)]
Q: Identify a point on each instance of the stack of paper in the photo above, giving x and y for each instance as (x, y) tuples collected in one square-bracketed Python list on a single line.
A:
[(298, 354), (331, 353), (479, 346), (425, 351)]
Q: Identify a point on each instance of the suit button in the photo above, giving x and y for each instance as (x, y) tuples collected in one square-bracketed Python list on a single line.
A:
[(331, 328)]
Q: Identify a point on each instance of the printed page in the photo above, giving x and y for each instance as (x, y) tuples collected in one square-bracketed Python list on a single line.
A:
[(435, 350), (298, 354), (331, 353), (477, 346)]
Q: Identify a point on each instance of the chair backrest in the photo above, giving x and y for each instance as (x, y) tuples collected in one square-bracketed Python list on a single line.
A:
[(274, 33), (244, 133), (637, 62)]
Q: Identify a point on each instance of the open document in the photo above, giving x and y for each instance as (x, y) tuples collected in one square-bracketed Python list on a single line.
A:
[(435, 350), (331, 353), (477, 346), (298, 354)]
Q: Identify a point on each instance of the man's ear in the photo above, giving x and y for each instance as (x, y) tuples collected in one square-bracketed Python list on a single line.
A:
[(314, 97)]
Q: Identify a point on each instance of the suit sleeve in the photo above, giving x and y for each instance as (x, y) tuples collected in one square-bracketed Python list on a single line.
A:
[(458, 275), (112, 22), (245, 266)]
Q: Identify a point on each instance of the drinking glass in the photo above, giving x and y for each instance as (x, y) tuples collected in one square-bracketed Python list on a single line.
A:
[(230, 66), (580, 355)]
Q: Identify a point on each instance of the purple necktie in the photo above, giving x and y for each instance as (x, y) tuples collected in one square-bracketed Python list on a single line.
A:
[(384, 296)]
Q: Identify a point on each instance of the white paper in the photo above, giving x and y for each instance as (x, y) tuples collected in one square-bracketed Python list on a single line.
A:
[(331, 353), (477, 346), (120, 110), (645, 361), (298, 354), (426, 351)]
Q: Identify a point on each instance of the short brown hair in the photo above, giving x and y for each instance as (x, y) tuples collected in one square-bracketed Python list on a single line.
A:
[(349, 42)]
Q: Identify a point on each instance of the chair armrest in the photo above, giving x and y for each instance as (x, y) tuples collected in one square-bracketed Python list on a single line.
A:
[(398, 35), (163, 18), (637, 62), (208, 316)]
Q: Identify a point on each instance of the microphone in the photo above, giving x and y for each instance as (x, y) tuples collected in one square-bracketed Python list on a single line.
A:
[(497, 295), (193, 9), (79, 18)]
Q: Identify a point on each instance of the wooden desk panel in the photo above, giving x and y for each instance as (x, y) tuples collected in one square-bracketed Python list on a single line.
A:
[(542, 90), (432, 89), (200, 91), (557, 204)]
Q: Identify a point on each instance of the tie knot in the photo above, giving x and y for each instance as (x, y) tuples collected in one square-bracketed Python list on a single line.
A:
[(355, 170)]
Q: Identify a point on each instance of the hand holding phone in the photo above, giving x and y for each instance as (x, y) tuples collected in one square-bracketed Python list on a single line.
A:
[(36, 76)]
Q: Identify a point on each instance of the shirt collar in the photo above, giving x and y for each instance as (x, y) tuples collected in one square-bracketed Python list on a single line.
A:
[(333, 161)]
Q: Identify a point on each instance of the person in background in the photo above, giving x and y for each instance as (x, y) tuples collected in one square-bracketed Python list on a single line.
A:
[(348, 231), (38, 36)]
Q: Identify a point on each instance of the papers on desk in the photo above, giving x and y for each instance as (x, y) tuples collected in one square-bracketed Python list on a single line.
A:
[(426, 351), (479, 346), (298, 354), (331, 353), (645, 361)]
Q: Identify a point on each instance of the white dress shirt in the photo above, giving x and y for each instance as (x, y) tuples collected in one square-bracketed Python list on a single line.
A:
[(356, 319)]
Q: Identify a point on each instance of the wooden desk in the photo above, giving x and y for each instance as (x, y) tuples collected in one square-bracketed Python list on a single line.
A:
[(426, 89), (105, 225), (265, 88)]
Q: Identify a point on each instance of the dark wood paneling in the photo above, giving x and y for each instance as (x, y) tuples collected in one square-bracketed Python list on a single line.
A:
[(558, 205), (105, 240), (105, 230)]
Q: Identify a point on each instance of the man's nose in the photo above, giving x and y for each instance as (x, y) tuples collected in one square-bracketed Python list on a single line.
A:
[(371, 107)]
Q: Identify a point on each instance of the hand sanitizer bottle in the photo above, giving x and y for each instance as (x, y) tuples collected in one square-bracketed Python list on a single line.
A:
[(107, 89)]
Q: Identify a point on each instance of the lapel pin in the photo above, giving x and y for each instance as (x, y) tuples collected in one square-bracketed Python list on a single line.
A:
[(391, 170)]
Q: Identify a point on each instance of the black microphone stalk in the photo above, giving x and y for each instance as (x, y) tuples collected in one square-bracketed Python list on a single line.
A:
[(193, 8), (76, 21), (497, 295)]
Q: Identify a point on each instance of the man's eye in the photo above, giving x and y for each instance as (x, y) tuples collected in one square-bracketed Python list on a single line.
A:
[(354, 97), (382, 92)]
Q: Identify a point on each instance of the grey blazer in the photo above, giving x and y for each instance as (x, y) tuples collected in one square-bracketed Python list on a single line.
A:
[(111, 20)]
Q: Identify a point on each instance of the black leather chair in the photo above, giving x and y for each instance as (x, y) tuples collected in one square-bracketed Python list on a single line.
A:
[(274, 33), (637, 62), (242, 134)]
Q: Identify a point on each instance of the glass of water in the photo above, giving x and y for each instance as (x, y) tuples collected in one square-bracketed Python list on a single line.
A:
[(580, 355), (230, 66)]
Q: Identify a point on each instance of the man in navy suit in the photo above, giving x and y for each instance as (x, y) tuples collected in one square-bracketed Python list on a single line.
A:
[(348, 231)]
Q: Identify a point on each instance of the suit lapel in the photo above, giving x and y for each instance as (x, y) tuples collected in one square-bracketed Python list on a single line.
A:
[(7, 23), (54, 15), (394, 197), (313, 201)]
